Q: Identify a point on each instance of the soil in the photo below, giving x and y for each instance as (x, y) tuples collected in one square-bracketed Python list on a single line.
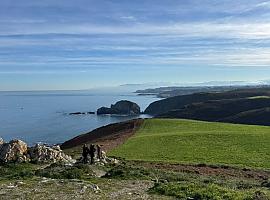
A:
[(210, 170)]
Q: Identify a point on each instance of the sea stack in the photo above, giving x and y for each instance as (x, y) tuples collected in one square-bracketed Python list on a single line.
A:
[(123, 107)]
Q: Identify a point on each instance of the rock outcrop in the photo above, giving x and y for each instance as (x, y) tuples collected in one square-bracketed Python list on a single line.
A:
[(123, 107), (82, 113), (105, 110), (14, 151), (42, 154), (17, 151)]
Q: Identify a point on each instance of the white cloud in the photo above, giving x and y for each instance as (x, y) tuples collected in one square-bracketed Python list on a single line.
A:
[(210, 29)]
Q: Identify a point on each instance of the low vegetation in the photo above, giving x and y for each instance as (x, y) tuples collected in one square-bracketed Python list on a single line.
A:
[(127, 180), (17, 171), (186, 190)]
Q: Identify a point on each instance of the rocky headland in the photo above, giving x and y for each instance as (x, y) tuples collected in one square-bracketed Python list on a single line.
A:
[(123, 107)]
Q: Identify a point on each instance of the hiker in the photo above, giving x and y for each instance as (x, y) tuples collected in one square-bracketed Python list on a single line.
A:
[(92, 153), (85, 153), (98, 152)]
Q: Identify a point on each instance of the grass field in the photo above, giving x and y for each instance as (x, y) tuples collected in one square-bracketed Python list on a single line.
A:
[(188, 141)]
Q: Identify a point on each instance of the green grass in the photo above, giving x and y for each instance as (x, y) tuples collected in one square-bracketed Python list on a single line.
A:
[(186, 190), (189, 141), (17, 171)]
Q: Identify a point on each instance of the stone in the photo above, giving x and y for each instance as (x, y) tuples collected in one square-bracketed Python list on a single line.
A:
[(43, 154), (83, 189), (17, 151), (1, 141), (95, 187), (123, 107), (10, 186), (20, 183), (14, 151), (57, 148)]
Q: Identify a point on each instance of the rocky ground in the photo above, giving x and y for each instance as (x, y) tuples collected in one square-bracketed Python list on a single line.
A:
[(43, 188), (131, 180), (57, 181)]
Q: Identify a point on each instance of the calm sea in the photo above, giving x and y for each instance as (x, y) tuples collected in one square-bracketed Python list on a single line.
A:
[(42, 116)]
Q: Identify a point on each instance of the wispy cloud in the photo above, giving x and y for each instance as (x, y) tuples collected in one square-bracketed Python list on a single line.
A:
[(57, 37)]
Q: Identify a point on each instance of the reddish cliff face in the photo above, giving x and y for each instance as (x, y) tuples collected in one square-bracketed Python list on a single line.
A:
[(109, 136)]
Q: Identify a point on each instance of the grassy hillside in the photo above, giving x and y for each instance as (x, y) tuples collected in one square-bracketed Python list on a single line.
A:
[(257, 116), (187, 141), (178, 102), (245, 111)]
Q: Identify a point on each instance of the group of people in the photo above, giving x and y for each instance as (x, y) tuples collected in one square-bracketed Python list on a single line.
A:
[(91, 152)]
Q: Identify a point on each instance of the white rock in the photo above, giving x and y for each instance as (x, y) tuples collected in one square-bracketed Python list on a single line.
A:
[(14, 151), (10, 186), (20, 183), (83, 189), (1, 141), (95, 188), (42, 153)]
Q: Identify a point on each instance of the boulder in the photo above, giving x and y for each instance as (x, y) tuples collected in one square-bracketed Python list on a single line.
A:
[(1, 141), (14, 151), (44, 154), (123, 107)]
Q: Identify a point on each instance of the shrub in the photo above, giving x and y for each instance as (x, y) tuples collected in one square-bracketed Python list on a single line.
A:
[(17, 171), (57, 172)]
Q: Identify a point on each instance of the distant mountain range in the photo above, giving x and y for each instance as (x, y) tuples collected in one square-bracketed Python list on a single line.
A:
[(208, 83), (166, 92)]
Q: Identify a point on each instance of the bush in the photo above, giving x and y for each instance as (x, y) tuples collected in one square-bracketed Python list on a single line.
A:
[(17, 171), (60, 173), (128, 172)]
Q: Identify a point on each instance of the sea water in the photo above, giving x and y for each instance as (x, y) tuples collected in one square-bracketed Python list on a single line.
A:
[(42, 116)]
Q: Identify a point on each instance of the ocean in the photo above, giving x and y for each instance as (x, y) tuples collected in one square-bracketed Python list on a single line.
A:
[(42, 116)]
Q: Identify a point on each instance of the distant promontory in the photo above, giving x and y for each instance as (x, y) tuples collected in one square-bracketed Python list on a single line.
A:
[(123, 107)]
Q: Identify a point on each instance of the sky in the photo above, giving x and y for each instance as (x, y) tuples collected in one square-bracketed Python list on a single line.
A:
[(67, 44)]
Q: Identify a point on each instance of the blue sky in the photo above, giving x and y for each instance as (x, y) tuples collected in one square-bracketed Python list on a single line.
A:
[(66, 44)]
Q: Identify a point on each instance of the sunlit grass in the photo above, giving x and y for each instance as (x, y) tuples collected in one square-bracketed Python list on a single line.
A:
[(188, 141)]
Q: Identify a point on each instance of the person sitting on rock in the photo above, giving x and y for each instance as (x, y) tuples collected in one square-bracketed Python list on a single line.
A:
[(92, 153), (85, 153)]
